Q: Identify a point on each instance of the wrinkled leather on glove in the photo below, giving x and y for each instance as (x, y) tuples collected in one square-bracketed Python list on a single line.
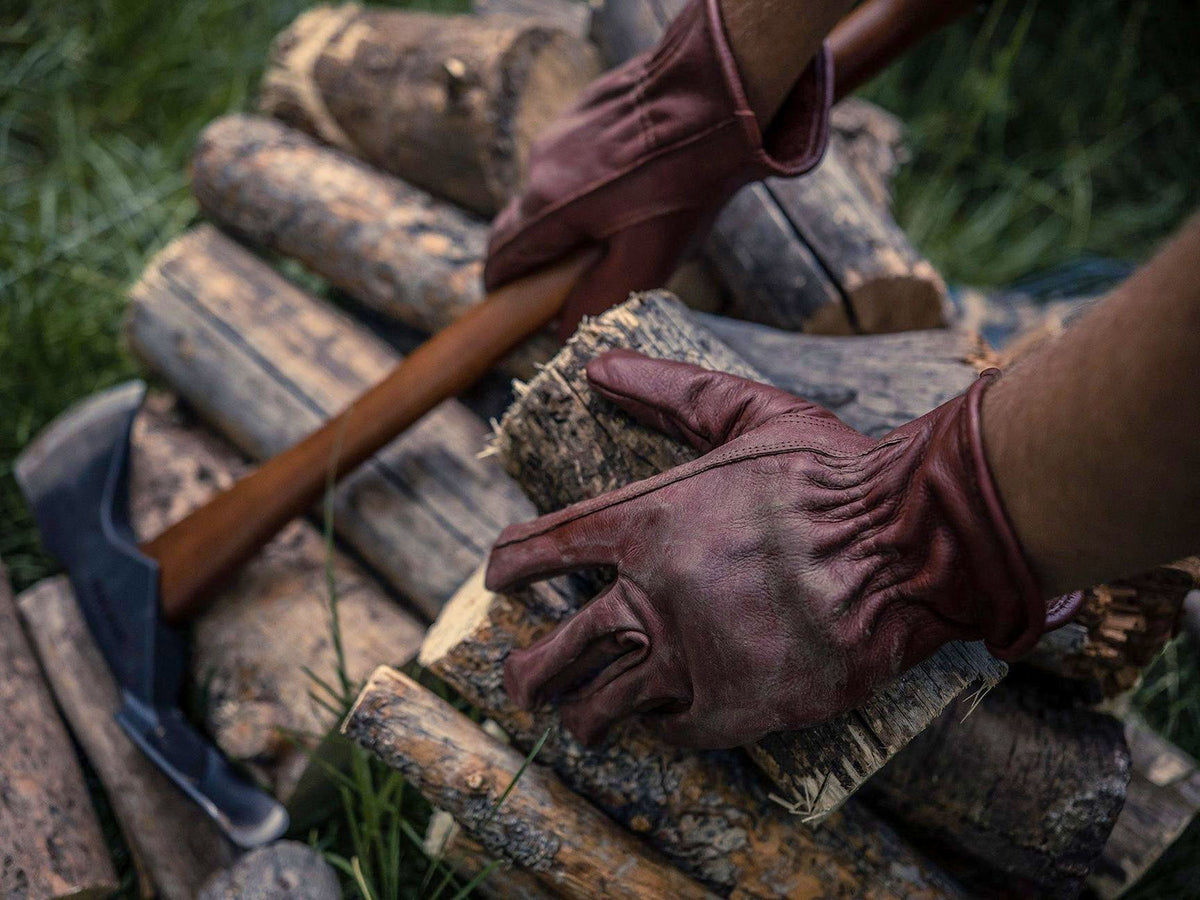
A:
[(777, 580), (646, 158)]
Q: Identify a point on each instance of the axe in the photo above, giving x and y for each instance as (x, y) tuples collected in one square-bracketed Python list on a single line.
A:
[(136, 598)]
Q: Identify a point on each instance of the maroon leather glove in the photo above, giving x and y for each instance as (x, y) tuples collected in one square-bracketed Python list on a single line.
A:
[(646, 158), (779, 579)]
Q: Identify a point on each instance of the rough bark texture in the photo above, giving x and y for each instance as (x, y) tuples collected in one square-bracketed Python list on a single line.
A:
[(388, 245), (284, 870), (1017, 795), (710, 812), (50, 841), (449, 103), (1163, 800), (253, 650), (265, 363), (871, 141), (562, 444), (816, 253), (177, 845), (539, 825), (445, 840)]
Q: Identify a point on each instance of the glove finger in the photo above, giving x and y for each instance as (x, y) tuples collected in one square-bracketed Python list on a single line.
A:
[(603, 634), (594, 712), (702, 406)]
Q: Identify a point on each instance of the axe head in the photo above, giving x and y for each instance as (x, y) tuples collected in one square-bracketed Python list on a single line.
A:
[(75, 477)]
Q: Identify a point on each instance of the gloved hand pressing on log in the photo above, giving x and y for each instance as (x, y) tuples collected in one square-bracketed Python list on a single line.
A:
[(779, 579), (649, 154)]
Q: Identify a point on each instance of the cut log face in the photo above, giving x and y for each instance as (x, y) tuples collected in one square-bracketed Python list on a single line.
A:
[(562, 443), (265, 363), (1163, 800), (50, 840), (390, 246), (449, 103), (177, 845), (816, 253), (253, 651), (709, 812), (1016, 795), (537, 824)]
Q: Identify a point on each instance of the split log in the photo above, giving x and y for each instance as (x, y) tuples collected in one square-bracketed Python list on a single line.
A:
[(1162, 801), (1016, 795), (562, 443), (449, 103), (266, 363), (816, 253), (177, 845), (388, 245), (445, 840), (537, 824), (50, 840), (871, 141), (254, 650), (709, 812)]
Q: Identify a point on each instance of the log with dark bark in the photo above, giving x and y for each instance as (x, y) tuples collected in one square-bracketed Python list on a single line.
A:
[(522, 813), (1016, 795), (1162, 802), (710, 812), (445, 840), (388, 245), (562, 443), (266, 363), (450, 103), (816, 253), (175, 845), (50, 840)]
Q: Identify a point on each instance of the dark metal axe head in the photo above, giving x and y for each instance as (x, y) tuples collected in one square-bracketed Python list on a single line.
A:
[(75, 477)]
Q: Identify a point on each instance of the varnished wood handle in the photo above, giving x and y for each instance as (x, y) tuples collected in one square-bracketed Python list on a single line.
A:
[(202, 549)]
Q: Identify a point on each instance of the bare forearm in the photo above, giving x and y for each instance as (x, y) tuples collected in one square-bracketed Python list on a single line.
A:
[(1094, 439)]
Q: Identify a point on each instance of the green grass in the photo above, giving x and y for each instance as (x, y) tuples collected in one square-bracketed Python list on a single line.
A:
[(1040, 132)]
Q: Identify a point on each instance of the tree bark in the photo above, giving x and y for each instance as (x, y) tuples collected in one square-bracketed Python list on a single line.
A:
[(1162, 801), (266, 363), (816, 253), (538, 824), (563, 444), (449, 103), (1015, 796), (50, 840), (445, 840), (177, 845), (710, 812)]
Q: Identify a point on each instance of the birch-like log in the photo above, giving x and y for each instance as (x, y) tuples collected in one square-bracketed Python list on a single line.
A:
[(562, 443), (710, 812), (526, 816), (50, 841), (449, 103), (815, 253)]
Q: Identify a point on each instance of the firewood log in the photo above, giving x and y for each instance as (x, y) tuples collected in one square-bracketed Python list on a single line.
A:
[(1016, 795), (175, 844), (528, 817), (871, 140), (1162, 801), (50, 841), (266, 363), (450, 103), (816, 253), (710, 812), (568, 16), (445, 840), (562, 443)]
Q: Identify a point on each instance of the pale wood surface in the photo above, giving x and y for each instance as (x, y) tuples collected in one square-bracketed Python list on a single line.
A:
[(266, 363), (562, 443), (50, 840), (450, 103), (710, 812), (540, 825)]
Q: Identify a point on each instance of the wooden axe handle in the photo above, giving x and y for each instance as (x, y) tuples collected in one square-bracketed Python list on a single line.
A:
[(197, 553)]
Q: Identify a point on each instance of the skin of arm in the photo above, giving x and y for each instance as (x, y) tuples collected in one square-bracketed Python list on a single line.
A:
[(1094, 438)]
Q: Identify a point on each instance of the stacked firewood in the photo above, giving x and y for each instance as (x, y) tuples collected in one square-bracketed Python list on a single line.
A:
[(388, 138)]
